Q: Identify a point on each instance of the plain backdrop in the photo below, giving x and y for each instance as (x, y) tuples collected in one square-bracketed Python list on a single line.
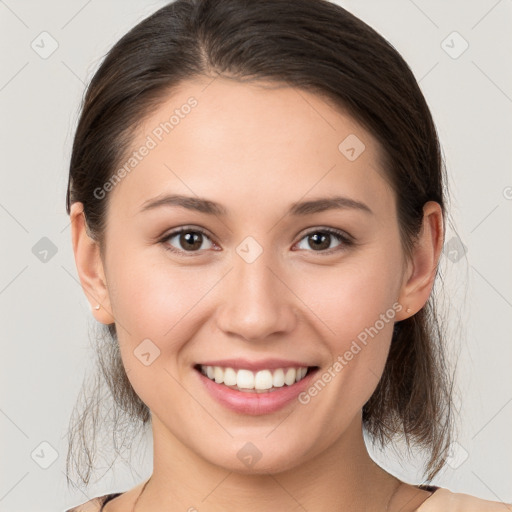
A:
[(460, 53)]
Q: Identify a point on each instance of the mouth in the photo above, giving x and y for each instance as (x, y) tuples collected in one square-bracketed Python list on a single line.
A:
[(265, 380)]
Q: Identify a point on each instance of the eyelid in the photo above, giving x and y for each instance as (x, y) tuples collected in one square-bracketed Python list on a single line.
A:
[(171, 234), (332, 231), (346, 240)]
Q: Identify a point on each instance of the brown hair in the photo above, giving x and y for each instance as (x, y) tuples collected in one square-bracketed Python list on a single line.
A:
[(314, 45)]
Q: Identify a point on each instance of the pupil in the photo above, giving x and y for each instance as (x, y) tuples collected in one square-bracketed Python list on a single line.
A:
[(321, 244), (193, 239)]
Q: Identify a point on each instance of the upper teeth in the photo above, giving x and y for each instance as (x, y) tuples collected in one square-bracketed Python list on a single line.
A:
[(263, 379)]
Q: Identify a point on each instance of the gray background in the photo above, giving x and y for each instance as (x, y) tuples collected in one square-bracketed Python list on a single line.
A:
[(46, 318)]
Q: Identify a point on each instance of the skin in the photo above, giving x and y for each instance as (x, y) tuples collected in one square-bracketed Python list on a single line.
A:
[(256, 150)]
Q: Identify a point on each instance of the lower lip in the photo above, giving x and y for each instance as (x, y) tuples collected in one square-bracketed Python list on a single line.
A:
[(255, 403)]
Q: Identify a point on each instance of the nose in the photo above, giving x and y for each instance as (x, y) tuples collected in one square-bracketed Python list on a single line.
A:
[(257, 301)]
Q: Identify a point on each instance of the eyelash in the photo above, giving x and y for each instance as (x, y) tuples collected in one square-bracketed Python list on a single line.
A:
[(345, 240)]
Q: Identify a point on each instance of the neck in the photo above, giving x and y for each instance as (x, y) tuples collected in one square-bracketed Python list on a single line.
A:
[(341, 477)]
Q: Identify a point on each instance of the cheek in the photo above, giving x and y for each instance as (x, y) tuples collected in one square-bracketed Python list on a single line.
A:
[(147, 295), (156, 317), (161, 303), (355, 308), (357, 316), (352, 297)]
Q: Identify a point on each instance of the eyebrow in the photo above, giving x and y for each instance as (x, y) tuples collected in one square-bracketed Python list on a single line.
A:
[(212, 208)]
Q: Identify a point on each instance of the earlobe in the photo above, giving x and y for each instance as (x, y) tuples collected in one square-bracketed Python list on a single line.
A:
[(422, 269), (90, 266)]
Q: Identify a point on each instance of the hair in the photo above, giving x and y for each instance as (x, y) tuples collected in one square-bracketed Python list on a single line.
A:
[(316, 46)]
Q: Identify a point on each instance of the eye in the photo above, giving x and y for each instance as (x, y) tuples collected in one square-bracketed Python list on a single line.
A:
[(320, 240), (188, 240)]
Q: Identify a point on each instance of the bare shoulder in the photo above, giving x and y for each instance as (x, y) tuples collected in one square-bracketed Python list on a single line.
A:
[(443, 500), (113, 502)]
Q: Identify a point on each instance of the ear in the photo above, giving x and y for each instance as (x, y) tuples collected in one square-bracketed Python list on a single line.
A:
[(421, 270), (90, 266)]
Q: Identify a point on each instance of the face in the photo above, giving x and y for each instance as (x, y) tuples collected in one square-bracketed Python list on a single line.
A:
[(261, 281)]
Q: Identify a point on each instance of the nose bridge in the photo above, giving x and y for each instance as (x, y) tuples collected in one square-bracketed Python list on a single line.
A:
[(257, 303)]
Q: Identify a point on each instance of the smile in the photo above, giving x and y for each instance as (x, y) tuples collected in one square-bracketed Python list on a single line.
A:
[(262, 391), (262, 381)]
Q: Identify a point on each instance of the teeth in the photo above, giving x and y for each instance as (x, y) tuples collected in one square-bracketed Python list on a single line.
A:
[(278, 378), (260, 381), (218, 375), (263, 380), (230, 377), (303, 374), (244, 378), (291, 376)]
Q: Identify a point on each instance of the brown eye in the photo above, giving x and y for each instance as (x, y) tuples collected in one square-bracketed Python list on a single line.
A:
[(321, 239), (186, 240)]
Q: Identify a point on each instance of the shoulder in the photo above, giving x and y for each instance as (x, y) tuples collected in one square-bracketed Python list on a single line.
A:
[(94, 505), (124, 502), (443, 500)]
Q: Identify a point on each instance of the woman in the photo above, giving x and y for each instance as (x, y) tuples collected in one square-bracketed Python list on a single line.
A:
[(257, 199)]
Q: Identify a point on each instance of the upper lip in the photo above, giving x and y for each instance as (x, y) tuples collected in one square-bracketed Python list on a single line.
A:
[(264, 364)]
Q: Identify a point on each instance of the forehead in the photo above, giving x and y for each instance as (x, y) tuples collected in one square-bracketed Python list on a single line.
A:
[(234, 141)]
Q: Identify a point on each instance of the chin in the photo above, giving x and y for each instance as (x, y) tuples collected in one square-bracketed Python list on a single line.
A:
[(251, 458)]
